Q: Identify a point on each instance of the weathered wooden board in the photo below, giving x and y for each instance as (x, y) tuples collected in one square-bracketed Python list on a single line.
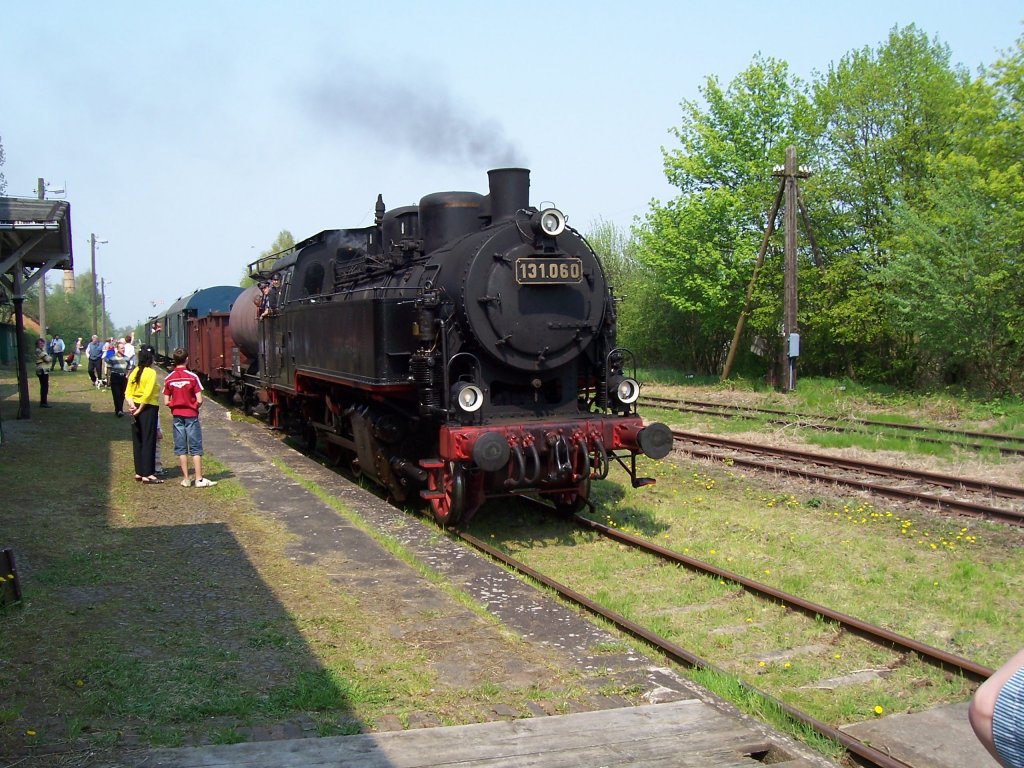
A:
[(684, 734)]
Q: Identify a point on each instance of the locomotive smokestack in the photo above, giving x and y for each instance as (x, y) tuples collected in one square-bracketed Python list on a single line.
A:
[(379, 211), (510, 191)]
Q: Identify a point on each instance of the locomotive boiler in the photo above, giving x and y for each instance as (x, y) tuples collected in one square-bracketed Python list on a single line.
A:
[(456, 350)]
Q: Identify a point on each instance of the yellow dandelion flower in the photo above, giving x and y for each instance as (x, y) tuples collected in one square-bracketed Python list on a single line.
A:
[(750, 620), (787, 665), (838, 656), (879, 709), (760, 663), (712, 552), (30, 733), (767, 571)]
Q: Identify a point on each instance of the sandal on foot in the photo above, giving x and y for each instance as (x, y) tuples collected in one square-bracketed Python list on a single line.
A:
[(151, 480)]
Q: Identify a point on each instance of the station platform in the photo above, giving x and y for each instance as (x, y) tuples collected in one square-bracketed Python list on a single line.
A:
[(682, 734)]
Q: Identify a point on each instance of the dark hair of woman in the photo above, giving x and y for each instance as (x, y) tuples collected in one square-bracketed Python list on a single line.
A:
[(145, 360)]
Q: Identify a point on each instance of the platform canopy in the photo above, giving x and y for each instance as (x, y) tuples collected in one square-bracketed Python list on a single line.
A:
[(34, 234)]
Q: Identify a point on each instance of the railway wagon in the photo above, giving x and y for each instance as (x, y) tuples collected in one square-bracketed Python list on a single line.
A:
[(168, 331), (213, 353)]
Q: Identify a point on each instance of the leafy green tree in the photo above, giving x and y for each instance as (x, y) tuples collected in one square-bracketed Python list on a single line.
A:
[(266, 259), (957, 285), (647, 324), (701, 246), (882, 115)]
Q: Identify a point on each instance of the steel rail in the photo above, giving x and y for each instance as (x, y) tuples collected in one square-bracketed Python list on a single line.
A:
[(865, 752), (855, 420), (883, 470), (881, 635), (952, 505), (955, 505)]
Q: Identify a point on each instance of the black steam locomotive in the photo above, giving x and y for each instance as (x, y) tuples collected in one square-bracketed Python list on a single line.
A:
[(457, 350)]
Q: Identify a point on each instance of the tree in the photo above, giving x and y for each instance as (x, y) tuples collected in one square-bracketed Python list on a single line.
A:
[(266, 259), (647, 325), (882, 115), (702, 245), (958, 283)]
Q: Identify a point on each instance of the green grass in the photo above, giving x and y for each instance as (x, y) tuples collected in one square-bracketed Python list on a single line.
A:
[(250, 637), (150, 620), (950, 583)]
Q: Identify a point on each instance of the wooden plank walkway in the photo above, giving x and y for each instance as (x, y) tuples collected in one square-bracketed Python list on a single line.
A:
[(681, 734)]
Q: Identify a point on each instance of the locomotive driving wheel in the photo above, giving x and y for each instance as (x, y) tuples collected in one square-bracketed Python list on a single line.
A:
[(448, 503)]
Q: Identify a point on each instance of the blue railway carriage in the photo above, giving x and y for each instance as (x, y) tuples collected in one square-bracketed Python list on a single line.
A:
[(167, 332)]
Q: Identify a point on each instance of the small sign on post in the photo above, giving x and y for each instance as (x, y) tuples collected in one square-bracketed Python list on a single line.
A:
[(10, 587)]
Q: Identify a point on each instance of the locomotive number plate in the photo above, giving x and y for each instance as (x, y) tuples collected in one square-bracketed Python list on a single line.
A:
[(548, 271)]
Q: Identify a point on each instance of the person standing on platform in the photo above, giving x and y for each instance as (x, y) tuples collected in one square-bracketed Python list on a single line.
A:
[(57, 353), (42, 360), (183, 394), (129, 350), (143, 400), (118, 364), (76, 359)]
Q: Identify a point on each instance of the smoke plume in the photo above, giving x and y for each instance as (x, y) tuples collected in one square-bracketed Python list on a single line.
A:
[(425, 120)]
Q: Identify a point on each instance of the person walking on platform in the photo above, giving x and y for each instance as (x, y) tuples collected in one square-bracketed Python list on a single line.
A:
[(143, 400), (118, 365), (42, 360), (94, 351), (183, 394)]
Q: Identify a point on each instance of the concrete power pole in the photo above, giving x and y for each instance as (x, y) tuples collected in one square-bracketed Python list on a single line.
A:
[(92, 249), (41, 194)]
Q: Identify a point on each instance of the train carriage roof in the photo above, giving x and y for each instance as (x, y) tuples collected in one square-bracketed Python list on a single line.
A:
[(219, 298)]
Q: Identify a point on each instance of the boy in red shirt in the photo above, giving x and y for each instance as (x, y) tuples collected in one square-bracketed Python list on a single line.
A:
[(183, 394)]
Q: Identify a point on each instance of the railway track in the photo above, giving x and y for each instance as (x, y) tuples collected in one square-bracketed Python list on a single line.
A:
[(950, 493), (862, 752), (1008, 445)]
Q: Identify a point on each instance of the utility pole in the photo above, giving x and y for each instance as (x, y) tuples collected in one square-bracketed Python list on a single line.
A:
[(789, 194), (92, 244), (790, 330), (103, 295), (41, 194)]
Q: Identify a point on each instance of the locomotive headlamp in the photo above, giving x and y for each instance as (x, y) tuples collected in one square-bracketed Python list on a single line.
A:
[(469, 397), (549, 222), (627, 390)]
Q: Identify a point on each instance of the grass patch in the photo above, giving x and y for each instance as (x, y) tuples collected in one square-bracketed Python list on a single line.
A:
[(948, 582), (151, 620)]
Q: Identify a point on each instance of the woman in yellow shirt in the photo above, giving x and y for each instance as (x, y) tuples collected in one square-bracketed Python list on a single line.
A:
[(142, 397)]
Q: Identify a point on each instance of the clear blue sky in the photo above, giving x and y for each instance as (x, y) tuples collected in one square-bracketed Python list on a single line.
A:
[(188, 134)]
